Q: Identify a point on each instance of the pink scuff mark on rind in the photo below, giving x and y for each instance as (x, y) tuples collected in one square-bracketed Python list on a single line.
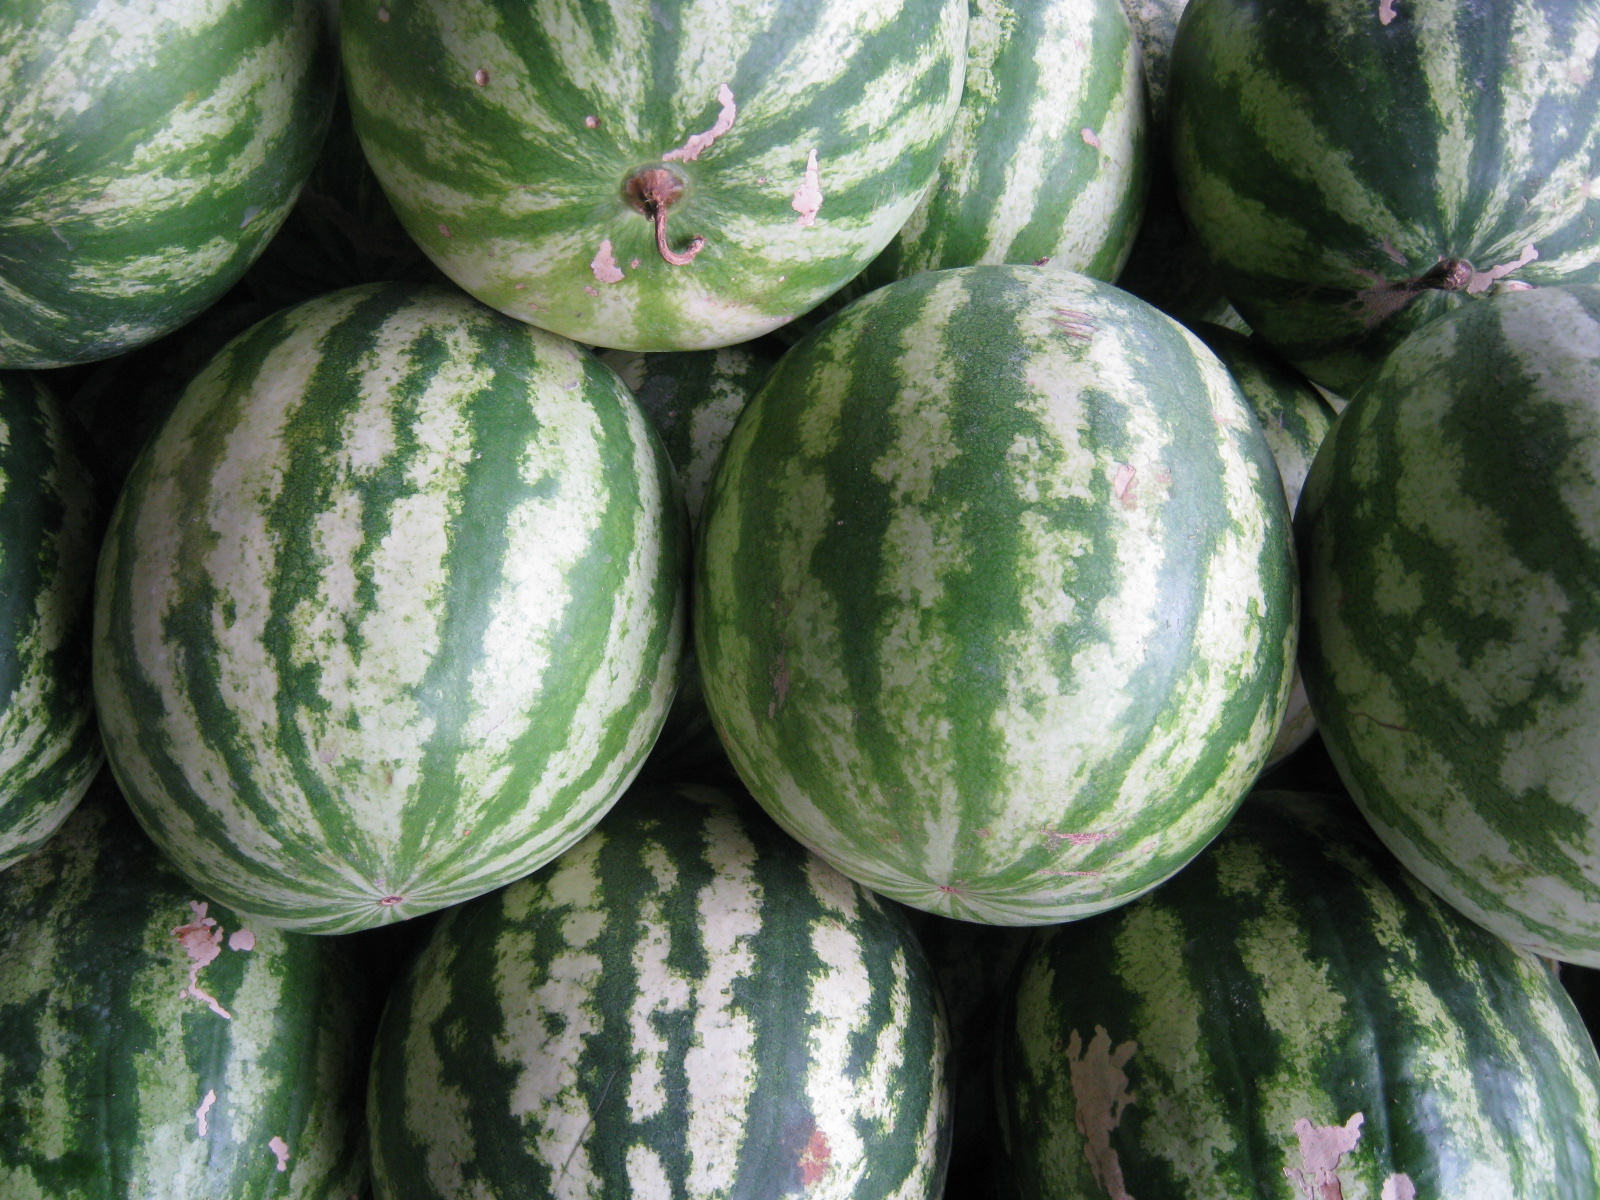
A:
[(1122, 485), (201, 940), (1398, 1187), (604, 264), (808, 196), (780, 685), (1393, 251), (699, 143), (1322, 1149), (481, 77), (1076, 839), (280, 1150), (1090, 137), (241, 939), (201, 1113), (1100, 1090), (1482, 281), (1386, 12), (815, 1158), (591, 121)]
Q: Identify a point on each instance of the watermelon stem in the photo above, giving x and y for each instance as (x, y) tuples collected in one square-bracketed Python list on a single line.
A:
[(652, 191)]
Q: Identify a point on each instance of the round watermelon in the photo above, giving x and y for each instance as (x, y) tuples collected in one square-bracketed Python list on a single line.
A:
[(687, 1005), (995, 598), (149, 149), (154, 1045), (1293, 1017), (1452, 593), (390, 609), (50, 524), (1355, 168), (654, 174)]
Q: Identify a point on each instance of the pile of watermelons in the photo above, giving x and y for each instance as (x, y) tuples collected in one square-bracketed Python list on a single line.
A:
[(850, 599)]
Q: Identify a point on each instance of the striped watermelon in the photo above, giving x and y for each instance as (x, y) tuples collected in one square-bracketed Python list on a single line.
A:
[(390, 608), (157, 1047), (1452, 575), (654, 174), (148, 151), (1294, 1017), (49, 532), (1047, 158), (1358, 167), (686, 1005), (995, 599), (693, 398), (1295, 417)]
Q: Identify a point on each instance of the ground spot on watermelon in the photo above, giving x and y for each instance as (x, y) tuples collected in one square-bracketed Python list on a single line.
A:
[(202, 1125), (604, 263), (201, 940), (699, 143), (1100, 1090), (808, 196), (280, 1151), (1322, 1149)]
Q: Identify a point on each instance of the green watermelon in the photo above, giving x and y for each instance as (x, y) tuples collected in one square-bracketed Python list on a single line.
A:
[(155, 1046), (1355, 168), (1295, 417), (148, 151), (390, 608), (995, 598), (1048, 156), (654, 174), (686, 1004), (693, 398), (1452, 593), (1294, 1017), (49, 533)]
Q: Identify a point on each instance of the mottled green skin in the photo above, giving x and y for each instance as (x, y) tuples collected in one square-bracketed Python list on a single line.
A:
[(995, 598), (148, 151), (49, 533), (1451, 567), (802, 133), (1294, 973), (1049, 156), (390, 609), (1330, 154), (108, 1049), (693, 397), (686, 1004), (1295, 417)]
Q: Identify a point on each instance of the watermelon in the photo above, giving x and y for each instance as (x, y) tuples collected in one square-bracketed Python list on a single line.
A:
[(390, 608), (49, 532), (685, 1004), (1294, 1016), (654, 174), (1048, 157), (1295, 417), (149, 149), (154, 1045), (995, 598), (1356, 168), (693, 398), (1452, 584)]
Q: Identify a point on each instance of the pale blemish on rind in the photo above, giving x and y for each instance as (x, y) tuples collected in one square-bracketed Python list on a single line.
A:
[(1482, 281), (1100, 1091), (808, 196), (699, 143), (1322, 1149), (1398, 1187), (201, 1124), (1386, 12), (201, 940), (604, 264), (241, 939), (280, 1150)]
